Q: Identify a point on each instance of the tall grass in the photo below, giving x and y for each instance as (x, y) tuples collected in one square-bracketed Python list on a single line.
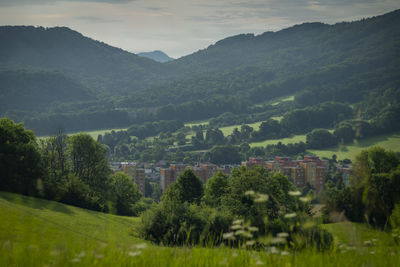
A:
[(35, 232)]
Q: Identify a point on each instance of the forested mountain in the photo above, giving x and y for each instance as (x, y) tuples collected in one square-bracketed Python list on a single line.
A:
[(34, 91), (346, 62), (102, 67), (157, 55)]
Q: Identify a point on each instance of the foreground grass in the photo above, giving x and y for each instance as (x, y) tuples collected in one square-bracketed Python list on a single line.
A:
[(36, 232), (386, 141)]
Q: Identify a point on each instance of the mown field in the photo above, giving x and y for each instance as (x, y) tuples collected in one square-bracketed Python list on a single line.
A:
[(386, 141), (293, 139), (35, 232)]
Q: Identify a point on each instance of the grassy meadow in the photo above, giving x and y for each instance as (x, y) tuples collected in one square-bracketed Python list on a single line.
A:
[(35, 232), (386, 141), (287, 140)]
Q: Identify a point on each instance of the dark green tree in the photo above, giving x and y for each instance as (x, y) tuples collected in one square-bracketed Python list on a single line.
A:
[(125, 193), (189, 187), (216, 187), (20, 160)]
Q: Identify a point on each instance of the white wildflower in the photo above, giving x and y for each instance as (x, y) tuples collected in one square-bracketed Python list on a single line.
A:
[(250, 243), (273, 250), (81, 255), (278, 240), (253, 229), (290, 215), (236, 227), (294, 193), (240, 232), (141, 246), (304, 199), (283, 235), (249, 193), (228, 235), (134, 253), (285, 253), (238, 221), (261, 198)]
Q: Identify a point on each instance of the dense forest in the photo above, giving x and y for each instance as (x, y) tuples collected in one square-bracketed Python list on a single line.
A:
[(76, 83)]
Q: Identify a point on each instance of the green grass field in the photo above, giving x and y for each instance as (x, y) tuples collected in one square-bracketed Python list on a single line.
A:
[(387, 141), (95, 133), (293, 139), (196, 123), (35, 232), (229, 129)]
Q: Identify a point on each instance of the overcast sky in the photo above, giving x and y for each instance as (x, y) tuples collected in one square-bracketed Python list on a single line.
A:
[(181, 27)]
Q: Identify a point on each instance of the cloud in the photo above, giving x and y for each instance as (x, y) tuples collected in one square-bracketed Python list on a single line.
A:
[(94, 19), (45, 2)]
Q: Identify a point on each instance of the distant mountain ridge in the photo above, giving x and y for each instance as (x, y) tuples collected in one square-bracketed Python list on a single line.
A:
[(342, 62), (156, 55)]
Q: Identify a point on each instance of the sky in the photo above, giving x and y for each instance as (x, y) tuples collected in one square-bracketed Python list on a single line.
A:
[(181, 27)]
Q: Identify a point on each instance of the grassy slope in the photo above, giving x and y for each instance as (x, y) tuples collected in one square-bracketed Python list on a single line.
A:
[(293, 139), (387, 141), (36, 232), (95, 133)]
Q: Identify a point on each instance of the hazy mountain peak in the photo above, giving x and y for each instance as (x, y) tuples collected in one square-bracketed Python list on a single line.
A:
[(156, 55)]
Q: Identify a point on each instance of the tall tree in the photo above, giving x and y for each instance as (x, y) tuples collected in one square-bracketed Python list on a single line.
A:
[(189, 187), (20, 166), (89, 162)]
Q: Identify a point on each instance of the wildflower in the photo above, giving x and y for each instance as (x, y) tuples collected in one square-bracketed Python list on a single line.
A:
[(253, 229), (261, 198), (99, 256), (304, 199), (367, 243), (239, 221), (258, 262), (134, 253), (294, 193), (234, 254), (240, 232), (372, 252), (141, 246), (236, 227), (278, 240), (55, 253), (290, 215), (75, 260), (81, 255), (285, 253), (273, 250), (283, 235), (249, 193), (250, 243), (228, 235)]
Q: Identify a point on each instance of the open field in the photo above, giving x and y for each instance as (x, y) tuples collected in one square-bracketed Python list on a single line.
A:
[(95, 133), (229, 129), (35, 232), (196, 123), (387, 141), (276, 101), (283, 99), (293, 139)]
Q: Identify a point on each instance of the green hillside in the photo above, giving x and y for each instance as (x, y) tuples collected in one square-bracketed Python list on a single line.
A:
[(35, 232), (314, 62)]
